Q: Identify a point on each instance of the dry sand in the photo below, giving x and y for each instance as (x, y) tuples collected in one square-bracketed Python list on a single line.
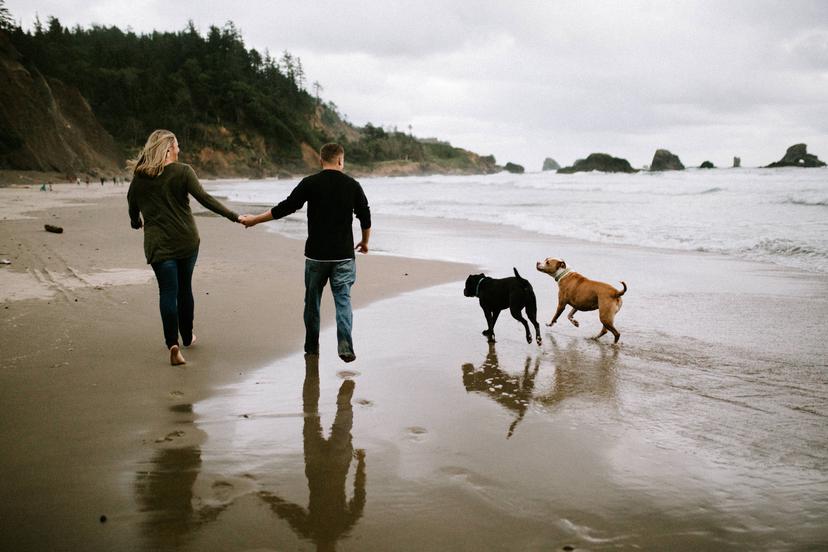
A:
[(85, 383)]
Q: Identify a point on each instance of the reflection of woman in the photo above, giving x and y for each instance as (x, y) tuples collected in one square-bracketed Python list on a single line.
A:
[(159, 192)]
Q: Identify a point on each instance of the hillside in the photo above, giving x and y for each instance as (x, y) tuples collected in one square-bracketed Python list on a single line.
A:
[(46, 125), (95, 94)]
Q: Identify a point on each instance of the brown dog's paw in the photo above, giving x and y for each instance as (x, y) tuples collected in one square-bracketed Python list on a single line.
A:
[(575, 323)]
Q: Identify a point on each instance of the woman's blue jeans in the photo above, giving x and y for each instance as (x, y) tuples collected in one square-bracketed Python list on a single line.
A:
[(175, 294), (342, 275)]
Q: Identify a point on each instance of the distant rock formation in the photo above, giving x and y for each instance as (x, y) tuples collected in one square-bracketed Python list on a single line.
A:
[(514, 168), (46, 125), (599, 162), (707, 165), (550, 164), (663, 160), (797, 156), (737, 162)]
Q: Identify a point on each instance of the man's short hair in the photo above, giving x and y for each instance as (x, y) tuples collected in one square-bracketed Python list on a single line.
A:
[(330, 152)]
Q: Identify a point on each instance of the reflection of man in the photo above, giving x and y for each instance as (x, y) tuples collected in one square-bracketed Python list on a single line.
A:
[(329, 515), (513, 392)]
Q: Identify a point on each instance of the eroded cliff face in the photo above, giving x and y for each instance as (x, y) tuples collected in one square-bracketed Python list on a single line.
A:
[(48, 126)]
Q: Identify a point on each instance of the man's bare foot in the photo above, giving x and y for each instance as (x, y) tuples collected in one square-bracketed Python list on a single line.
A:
[(192, 342), (176, 358)]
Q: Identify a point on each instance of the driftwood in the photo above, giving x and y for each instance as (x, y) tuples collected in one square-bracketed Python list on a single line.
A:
[(53, 229)]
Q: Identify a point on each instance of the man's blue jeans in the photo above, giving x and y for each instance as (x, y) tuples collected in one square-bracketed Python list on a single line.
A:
[(175, 294), (342, 275)]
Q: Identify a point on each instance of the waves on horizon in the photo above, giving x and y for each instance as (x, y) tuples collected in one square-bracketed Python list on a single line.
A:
[(805, 202), (751, 214)]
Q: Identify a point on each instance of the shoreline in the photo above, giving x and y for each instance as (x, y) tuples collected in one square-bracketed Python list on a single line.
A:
[(531, 446)]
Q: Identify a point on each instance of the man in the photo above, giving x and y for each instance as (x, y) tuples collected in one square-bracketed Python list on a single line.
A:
[(333, 199)]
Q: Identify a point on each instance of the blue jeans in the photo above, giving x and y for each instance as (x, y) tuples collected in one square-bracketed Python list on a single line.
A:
[(342, 275), (175, 294)]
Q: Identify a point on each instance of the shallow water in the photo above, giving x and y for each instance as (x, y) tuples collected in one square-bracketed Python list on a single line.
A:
[(704, 429), (774, 215)]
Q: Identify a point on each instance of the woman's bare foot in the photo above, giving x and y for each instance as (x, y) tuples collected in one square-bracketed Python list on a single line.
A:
[(192, 341), (176, 358)]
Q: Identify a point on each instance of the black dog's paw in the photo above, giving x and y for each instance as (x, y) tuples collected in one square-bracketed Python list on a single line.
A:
[(487, 333), (539, 339)]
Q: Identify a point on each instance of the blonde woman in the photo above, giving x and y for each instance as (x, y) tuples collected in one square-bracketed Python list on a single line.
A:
[(159, 192)]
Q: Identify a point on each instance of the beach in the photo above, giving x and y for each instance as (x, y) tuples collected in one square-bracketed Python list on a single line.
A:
[(703, 429)]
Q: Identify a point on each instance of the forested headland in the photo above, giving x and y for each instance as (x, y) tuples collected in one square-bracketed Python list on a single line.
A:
[(236, 111)]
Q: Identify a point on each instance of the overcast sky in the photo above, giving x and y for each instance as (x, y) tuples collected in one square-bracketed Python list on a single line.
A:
[(526, 80)]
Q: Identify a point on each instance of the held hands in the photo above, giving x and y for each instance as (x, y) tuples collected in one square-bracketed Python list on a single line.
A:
[(248, 220)]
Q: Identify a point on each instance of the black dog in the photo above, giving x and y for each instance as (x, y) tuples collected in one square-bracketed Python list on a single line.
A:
[(495, 295)]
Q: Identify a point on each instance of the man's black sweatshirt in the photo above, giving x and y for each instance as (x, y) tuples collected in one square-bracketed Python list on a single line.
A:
[(333, 199)]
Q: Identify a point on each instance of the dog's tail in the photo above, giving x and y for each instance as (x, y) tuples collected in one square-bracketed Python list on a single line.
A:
[(531, 302), (523, 281), (620, 293)]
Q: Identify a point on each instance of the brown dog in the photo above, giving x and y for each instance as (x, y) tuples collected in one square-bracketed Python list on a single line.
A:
[(583, 294)]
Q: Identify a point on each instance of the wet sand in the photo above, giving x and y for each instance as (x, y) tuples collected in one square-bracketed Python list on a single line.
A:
[(87, 391), (704, 429)]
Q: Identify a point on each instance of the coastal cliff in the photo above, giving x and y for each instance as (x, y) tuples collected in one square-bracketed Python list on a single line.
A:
[(46, 125), (81, 101)]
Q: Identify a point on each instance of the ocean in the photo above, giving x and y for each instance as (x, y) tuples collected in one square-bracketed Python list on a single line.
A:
[(768, 215)]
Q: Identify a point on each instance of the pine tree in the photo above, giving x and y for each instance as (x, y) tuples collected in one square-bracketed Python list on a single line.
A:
[(6, 21)]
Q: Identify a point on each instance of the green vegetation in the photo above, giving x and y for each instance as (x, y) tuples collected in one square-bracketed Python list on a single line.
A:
[(213, 92), (182, 81)]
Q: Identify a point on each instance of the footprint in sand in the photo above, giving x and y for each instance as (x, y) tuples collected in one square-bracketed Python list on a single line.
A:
[(364, 402), (416, 433), (176, 394), (347, 374), (170, 437)]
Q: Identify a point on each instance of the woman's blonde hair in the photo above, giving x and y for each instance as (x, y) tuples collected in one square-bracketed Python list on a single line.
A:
[(150, 161)]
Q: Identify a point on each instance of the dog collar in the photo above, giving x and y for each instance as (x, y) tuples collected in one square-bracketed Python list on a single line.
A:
[(477, 289), (561, 273)]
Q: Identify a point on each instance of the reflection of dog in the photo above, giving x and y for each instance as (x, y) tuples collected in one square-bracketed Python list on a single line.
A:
[(511, 391), (495, 295), (583, 294)]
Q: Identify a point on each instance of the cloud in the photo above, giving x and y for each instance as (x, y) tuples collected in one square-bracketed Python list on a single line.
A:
[(528, 79)]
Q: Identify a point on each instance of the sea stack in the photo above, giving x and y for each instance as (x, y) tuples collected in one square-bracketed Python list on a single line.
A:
[(797, 156), (550, 164), (514, 168), (602, 162), (663, 160), (707, 165), (737, 162)]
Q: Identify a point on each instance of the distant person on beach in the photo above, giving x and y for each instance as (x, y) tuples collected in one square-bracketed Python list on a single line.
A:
[(159, 192), (102, 180), (333, 199)]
